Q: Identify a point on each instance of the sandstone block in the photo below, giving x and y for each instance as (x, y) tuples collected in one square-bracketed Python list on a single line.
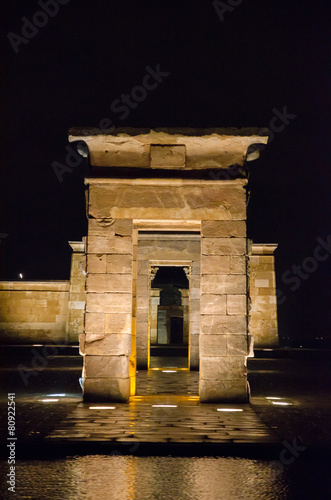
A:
[(118, 323), (109, 283), (224, 228), (236, 345), (236, 305), (228, 284), (106, 389), (106, 366), (222, 367), (237, 264), (223, 246), (94, 322), (96, 263), (113, 344), (167, 156), (213, 304), (123, 227), (213, 345), (142, 316), (224, 391), (111, 244), (119, 264), (158, 201), (109, 302), (219, 324), (215, 264)]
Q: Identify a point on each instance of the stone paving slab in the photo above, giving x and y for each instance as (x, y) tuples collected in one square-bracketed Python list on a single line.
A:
[(184, 420)]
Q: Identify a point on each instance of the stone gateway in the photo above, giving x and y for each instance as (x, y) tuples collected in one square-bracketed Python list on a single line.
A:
[(168, 259)]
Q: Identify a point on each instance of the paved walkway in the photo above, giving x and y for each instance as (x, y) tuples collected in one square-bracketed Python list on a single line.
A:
[(166, 410)]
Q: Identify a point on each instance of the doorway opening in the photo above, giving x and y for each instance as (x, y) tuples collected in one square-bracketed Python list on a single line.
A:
[(169, 318)]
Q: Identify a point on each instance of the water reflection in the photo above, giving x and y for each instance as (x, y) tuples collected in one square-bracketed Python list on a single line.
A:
[(148, 478)]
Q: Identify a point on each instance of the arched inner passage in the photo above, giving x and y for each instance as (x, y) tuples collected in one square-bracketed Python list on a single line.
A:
[(169, 318)]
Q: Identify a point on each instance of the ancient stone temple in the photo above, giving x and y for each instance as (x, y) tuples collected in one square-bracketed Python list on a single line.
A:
[(167, 258)]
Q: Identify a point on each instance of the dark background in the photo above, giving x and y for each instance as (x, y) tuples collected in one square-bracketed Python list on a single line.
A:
[(263, 55)]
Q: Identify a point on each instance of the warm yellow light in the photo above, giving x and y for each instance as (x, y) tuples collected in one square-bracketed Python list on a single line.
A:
[(272, 397), (49, 400), (102, 407), (229, 409), (169, 371)]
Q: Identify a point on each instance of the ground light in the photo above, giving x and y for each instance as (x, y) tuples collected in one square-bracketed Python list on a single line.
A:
[(169, 371), (102, 407), (49, 400), (283, 403), (56, 395), (230, 409)]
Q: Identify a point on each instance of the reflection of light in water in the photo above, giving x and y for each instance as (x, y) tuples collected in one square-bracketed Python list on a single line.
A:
[(129, 477)]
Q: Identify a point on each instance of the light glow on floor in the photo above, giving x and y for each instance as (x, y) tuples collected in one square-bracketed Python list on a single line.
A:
[(49, 400), (169, 371), (272, 397), (164, 406), (56, 395)]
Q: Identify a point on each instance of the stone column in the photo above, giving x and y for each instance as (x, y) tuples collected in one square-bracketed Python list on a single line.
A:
[(155, 301), (223, 327), (106, 345), (194, 295), (77, 295)]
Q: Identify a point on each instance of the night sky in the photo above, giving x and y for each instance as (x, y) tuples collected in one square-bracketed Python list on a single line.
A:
[(228, 66)]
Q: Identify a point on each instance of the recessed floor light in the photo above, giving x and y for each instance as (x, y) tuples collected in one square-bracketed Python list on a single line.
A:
[(169, 371), (229, 409), (272, 397), (283, 403), (49, 400), (102, 407), (56, 395)]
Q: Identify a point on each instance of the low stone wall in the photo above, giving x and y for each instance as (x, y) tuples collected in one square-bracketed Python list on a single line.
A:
[(33, 311)]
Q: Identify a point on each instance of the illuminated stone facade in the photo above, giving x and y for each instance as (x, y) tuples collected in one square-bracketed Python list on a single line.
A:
[(153, 201)]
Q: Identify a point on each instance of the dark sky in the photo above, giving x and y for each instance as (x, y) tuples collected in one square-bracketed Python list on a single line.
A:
[(264, 55)]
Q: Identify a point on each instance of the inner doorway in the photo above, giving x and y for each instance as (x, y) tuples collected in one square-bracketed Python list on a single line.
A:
[(169, 318)]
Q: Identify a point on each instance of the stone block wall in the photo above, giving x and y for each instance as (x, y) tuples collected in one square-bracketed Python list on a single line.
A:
[(33, 311), (223, 331), (263, 308), (106, 341)]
